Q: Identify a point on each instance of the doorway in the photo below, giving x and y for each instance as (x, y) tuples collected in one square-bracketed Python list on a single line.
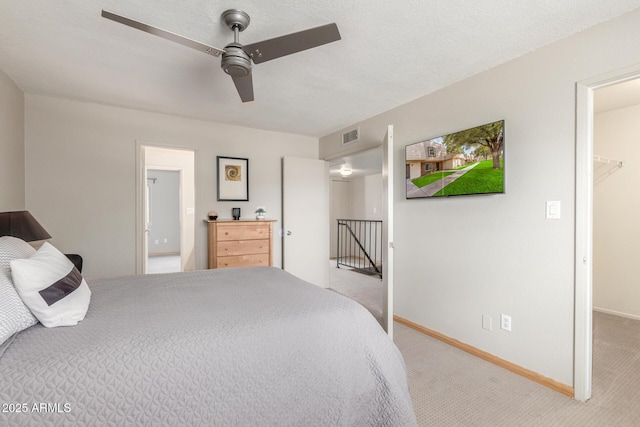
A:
[(166, 210), (163, 221), (356, 208), (615, 209), (583, 341)]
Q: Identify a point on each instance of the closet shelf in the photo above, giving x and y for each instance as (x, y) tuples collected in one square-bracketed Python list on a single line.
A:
[(606, 167), (602, 159)]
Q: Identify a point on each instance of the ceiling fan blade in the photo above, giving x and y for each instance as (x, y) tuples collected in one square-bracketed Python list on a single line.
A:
[(244, 85), (291, 43), (164, 34)]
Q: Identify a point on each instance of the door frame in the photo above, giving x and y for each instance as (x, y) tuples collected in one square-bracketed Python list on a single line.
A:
[(388, 203), (387, 230), (583, 311), (141, 210)]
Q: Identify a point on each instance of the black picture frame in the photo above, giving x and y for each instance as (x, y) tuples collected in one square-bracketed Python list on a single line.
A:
[(233, 179)]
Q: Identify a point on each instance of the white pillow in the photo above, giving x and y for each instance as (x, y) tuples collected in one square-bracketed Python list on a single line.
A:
[(51, 287), (14, 315)]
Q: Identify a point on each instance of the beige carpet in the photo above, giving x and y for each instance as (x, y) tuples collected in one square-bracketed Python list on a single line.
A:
[(365, 289), (452, 388)]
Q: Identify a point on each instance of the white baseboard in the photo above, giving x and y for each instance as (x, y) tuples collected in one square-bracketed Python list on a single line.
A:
[(617, 313)]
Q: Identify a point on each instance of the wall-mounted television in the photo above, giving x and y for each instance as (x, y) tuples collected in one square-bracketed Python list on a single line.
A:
[(467, 162)]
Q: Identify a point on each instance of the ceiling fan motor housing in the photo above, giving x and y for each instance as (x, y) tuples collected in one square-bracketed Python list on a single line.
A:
[(235, 61)]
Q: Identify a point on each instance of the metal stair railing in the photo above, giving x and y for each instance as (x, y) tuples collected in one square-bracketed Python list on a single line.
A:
[(360, 245)]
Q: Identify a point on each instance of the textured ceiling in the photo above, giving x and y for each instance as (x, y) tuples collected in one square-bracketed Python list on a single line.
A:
[(391, 52)]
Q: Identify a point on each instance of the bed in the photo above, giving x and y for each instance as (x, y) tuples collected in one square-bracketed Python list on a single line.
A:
[(242, 346)]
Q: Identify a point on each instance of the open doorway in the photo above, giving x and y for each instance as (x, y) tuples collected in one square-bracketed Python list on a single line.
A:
[(616, 296), (166, 214), (163, 223), (356, 212), (584, 259)]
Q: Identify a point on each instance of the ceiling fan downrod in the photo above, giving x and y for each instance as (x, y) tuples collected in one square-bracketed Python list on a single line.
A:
[(235, 61)]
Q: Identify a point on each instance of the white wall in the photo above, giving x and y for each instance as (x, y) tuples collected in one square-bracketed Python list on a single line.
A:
[(357, 197), (164, 211), (616, 210), (459, 258), (81, 174), (339, 208), (12, 196), (366, 202)]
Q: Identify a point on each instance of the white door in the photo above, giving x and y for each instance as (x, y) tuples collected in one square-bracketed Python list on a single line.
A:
[(305, 219), (387, 231)]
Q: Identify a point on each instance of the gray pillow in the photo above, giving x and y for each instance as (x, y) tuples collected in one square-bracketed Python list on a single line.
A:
[(14, 315)]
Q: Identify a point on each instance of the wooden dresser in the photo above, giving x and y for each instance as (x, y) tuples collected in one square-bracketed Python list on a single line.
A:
[(241, 243)]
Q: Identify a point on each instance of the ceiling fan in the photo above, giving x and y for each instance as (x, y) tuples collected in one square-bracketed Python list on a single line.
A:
[(236, 58)]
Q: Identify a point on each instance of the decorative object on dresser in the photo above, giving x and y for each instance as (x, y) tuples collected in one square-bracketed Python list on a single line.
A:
[(244, 243), (233, 179), (260, 212), (235, 213), (213, 215)]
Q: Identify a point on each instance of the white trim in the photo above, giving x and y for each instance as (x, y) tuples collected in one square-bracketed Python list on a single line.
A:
[(583, 345), (141, 179), (617, 313), (387, 231)]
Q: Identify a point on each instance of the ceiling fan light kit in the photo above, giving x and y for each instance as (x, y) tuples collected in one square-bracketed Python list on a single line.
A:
[(237, 58)]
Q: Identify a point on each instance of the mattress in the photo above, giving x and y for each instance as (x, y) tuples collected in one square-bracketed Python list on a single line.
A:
[(243, 346)]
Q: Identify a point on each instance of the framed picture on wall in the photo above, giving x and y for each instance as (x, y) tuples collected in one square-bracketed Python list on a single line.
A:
[(233, 179)]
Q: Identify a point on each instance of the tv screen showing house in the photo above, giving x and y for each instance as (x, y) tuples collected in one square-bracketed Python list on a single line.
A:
[(461, 163)]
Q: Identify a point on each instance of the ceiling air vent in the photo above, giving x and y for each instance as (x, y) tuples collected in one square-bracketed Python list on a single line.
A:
[(351, 136)]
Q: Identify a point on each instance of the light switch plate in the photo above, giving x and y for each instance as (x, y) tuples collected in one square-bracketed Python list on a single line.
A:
[(553, 210), (486, 322)]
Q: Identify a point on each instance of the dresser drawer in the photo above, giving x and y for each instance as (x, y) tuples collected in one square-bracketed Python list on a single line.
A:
[(242, 247), (243, 261), (244, 232)]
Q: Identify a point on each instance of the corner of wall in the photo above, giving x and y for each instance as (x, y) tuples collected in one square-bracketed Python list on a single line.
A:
[(12, 145)]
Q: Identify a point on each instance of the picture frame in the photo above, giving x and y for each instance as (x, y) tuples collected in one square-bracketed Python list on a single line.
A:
[(233, 179)]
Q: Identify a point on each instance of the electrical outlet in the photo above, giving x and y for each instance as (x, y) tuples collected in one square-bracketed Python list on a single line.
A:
[(486, 322), (505, 322), (156, 242), (165, 240)]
